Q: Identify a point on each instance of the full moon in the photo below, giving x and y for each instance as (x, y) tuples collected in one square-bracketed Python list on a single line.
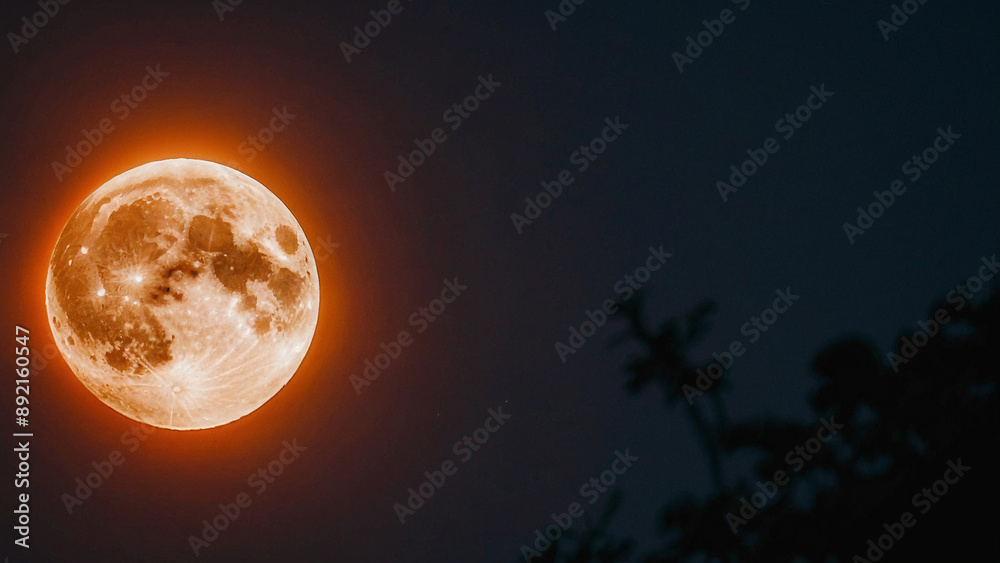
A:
[(183, 294)]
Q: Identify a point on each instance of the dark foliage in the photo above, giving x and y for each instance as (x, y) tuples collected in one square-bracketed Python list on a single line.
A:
[(901, 427)]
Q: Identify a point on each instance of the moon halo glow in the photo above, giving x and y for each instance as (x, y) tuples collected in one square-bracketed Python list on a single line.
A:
[(183, 294)]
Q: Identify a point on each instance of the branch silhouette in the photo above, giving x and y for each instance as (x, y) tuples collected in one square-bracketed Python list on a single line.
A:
[(900, 427)]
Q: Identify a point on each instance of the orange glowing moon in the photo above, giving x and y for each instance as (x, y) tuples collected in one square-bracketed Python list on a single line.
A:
[(183, 294)]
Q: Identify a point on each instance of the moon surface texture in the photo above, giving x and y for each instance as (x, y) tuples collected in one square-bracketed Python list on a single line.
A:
[(183, 294)]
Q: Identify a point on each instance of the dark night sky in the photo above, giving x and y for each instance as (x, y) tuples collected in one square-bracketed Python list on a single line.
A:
[(655, 185)]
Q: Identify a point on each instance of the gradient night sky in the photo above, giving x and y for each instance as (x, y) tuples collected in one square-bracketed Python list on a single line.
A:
[(494, 346)]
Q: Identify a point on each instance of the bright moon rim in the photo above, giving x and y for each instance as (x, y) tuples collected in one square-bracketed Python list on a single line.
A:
[(183, 294)]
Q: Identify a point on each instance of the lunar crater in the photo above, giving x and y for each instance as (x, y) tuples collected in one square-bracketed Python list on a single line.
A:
[(183, 294)]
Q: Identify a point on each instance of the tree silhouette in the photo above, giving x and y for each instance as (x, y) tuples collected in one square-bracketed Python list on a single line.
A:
[(903, 420)]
